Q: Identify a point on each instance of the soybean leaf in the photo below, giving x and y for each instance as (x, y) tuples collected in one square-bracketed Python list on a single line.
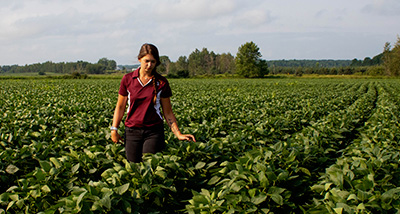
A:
[(11, 189), (4, 197), (211, 164), (35, 134), (11, 169), (352, 197), (305, 170), (276, 190), (106, 201), (200, 165), (213, 180), (236, 186), (122, 189), (10, 205), (277, 198), (45, 165), (55, 162), (75, 168), (80, 198), (338, 210), (200, 199), (161, 173), (45, 189), (40, 175), (258, 199)]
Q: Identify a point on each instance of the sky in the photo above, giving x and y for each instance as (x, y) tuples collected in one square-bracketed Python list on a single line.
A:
[(36, 31)]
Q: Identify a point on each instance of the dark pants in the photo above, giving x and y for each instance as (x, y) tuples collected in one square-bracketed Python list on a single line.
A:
[(143, 140)]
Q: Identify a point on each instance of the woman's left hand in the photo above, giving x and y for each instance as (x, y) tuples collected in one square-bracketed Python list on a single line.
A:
[(187, 137)]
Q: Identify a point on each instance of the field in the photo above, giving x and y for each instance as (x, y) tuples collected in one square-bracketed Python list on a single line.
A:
[(264, 146)]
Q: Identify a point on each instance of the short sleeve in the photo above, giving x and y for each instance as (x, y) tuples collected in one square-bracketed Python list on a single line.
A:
[(166, 90), (123, 87)]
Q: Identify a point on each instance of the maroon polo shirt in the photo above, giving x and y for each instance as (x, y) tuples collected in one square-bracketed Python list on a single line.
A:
[(142, 112)]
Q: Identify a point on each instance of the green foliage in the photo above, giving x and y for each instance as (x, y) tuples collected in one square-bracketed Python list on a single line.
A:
[(62, 67), (164, 67), (95, 69), (76, 75), (376, 71), (248, 61), (366, 177), (108, 64), (180, 69), (202, 62), (376, 60), (392, 58), (47, 67), (264, 146), (294, 63)]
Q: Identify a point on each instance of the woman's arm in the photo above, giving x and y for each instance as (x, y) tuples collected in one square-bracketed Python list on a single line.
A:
[(171, 120), (118, 114)]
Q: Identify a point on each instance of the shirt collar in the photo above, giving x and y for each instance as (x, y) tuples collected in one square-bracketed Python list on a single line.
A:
[(136, 73)]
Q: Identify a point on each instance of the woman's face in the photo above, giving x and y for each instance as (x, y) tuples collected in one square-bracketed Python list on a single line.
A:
[(148, 62)]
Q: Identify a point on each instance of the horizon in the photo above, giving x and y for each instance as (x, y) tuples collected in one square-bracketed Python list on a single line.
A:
[(137, 63)]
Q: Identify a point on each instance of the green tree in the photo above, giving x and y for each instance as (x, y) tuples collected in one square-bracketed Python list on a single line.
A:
[(179, 68), (109, 64), (386, 57), (377, 60), (367, 61), (95, 69), (194, 63), (80, 66), (225, 63), (391, 58), (248, 61), (355, 62), (182, 64), (208, 61), (202, 62), (197, 62), (163, 68)]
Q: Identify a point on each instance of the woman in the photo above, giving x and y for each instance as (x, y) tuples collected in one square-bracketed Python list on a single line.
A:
[(144, 90)]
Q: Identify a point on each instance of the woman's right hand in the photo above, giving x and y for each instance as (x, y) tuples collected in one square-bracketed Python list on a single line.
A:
[(115, 137)]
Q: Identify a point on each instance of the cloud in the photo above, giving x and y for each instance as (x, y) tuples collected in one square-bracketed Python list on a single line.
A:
[(212, 16), (320, 13), (64, 31), (383, 8), (180, 10), (58, 30), (42, 18), (254, 18)]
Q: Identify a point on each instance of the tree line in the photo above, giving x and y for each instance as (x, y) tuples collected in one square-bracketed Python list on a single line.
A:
[(80, 67), (247, 63), (202, 62), (309, 63)]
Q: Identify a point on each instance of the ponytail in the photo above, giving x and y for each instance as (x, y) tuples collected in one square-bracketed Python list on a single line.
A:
[(155, 89), (156, 83)]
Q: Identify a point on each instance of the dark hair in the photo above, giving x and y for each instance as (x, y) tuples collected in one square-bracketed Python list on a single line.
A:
[(152, 50), (149, 49)]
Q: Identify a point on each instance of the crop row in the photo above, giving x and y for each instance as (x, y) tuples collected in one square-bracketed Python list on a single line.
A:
[(276, 110), (265, 146), (283, 172), (366, 177)]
